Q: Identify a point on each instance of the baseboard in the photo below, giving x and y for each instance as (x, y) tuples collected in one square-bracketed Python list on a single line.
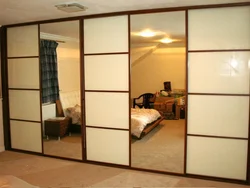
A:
[(2, 148)]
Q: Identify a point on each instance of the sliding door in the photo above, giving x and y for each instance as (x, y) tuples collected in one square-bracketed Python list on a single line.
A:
[(106, 94), (218, 92), (24, 88)]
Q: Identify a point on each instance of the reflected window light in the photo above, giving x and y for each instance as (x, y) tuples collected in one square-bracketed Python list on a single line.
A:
[(234, 63)]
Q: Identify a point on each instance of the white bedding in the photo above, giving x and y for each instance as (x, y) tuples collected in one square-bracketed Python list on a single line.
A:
[(140, 118)]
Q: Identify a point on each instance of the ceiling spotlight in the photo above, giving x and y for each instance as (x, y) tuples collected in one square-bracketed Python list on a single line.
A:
[(147, 33), (166, 40), (71, 7)]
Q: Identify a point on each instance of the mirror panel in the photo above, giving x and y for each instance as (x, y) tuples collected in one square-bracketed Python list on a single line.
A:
[(158, 67), (61, 107)]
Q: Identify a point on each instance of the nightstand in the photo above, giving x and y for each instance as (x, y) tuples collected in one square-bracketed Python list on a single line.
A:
[(180, 111), (57, 126)]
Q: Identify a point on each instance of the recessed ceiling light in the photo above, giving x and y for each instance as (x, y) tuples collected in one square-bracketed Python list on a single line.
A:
[(166, 40), (71, 7), (147, 33)]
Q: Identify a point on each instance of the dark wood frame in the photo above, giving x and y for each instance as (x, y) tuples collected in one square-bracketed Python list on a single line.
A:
[(151, 126), (3, 35)]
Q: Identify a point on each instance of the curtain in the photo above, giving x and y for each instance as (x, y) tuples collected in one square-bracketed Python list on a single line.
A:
[(48, 58)]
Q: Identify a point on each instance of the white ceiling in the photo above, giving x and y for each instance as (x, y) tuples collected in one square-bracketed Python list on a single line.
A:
[(20, 11)]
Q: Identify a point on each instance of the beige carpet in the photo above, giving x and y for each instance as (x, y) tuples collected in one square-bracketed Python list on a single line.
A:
[(162, 149), (47, 172), (68, 146)]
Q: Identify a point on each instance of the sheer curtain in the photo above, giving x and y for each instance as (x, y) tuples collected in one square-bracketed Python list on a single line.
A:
[(48, 58)]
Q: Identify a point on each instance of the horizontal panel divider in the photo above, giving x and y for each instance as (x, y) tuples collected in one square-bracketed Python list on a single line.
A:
[(108, 91), (26, 89), (211, 136), (98, 127), (226, 50), (220, 94), (25, 120), (109, 53), (22, 57)]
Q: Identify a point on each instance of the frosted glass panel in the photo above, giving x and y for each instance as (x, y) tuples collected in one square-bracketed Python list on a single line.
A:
[(219, 28), (103, 35), (24, 105), (220, 72), (217, 157), (107, 109), (218, 115), (23, 73), (26, 136), (107, 72), (22, 41), (110, 146)]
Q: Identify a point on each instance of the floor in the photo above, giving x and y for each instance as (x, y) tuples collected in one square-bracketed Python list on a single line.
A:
[(161, 149), (67, 146), (45, 172)]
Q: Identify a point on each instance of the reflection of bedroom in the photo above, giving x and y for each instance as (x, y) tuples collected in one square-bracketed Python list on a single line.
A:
[(154, 65), (61, 117)]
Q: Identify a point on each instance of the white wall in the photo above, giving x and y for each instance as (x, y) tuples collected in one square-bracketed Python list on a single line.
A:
[(162, 65), (68, 56)]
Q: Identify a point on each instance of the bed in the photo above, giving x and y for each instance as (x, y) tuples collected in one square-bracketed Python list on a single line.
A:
[(143, 121)]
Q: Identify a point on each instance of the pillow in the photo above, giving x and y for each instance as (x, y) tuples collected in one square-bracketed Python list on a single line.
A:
[(74, 113)]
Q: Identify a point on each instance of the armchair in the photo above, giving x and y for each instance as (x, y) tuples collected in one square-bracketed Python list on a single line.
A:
[(145, 100)]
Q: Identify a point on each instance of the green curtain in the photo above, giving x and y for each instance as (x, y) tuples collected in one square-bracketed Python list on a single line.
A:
[(48, 59)]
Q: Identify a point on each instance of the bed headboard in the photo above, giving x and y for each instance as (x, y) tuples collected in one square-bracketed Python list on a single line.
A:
[(69, 99)]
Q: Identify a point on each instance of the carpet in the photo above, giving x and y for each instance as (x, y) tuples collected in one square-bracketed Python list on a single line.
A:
[(68, 146), (9, 181), (162, 149)]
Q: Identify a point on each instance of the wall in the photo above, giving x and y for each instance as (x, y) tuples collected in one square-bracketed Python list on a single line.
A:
[(148, 74), (68, 66)]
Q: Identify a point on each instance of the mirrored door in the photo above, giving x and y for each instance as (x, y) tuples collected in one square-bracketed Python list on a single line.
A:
[(60, 80), (158, 89)]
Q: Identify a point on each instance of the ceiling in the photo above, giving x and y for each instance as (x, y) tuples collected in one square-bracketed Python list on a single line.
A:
[(20, 11)]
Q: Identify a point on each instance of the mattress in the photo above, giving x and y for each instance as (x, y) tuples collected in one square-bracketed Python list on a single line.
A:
[(140, 118)]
